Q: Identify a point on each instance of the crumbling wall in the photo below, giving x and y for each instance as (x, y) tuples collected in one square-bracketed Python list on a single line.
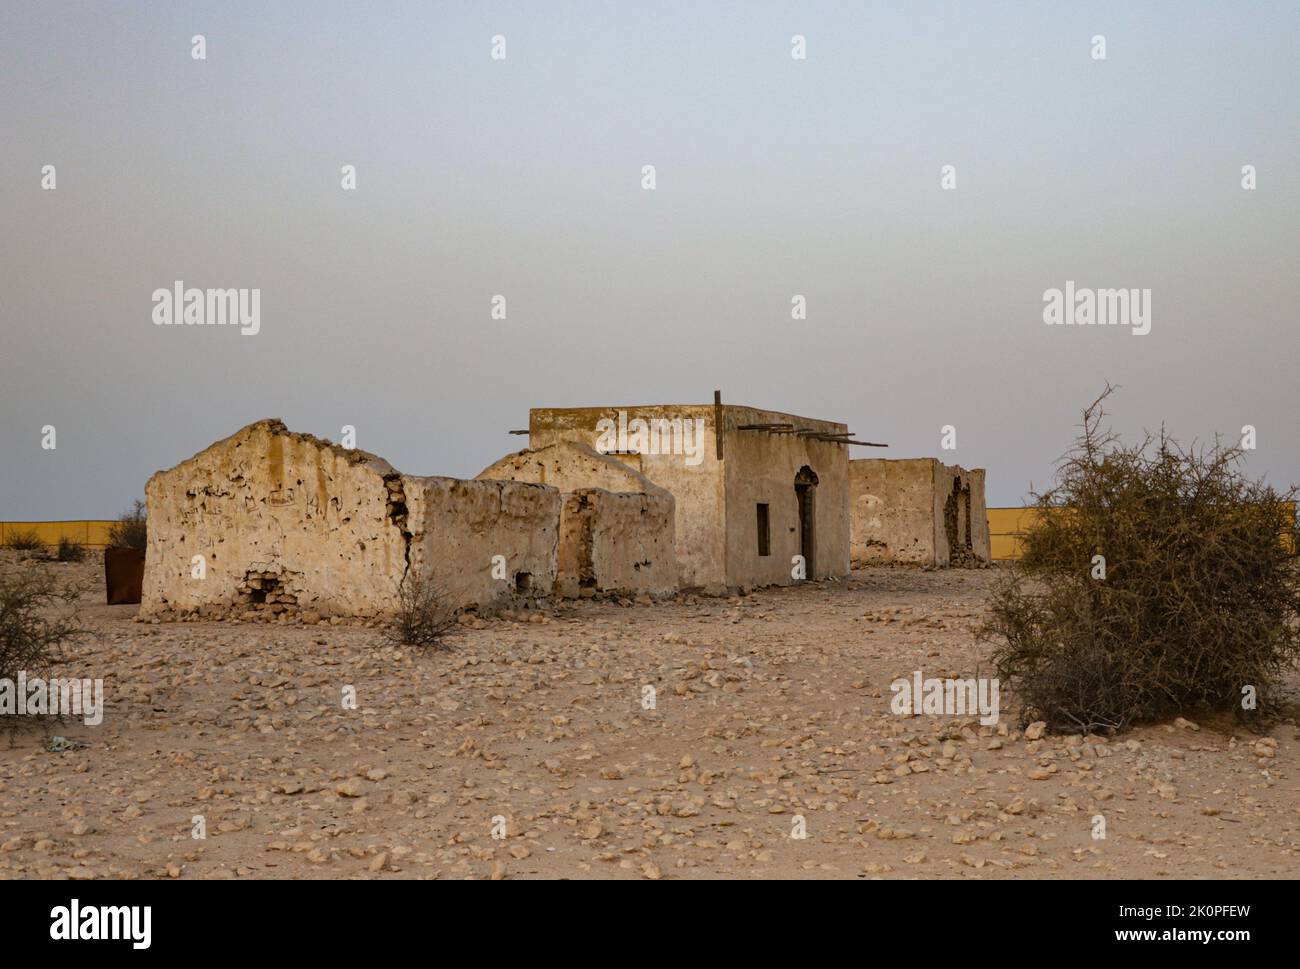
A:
[(616, 542), (283, 522), (962, 541), (268, 523), (892, 511), (614, 521), (485, 543), (917, 511), (694, 476)]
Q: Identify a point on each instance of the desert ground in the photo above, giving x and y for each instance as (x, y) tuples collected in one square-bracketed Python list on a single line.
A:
[(769, 707)]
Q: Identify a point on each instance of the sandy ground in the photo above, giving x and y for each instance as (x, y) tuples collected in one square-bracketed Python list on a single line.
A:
[(769, 709)]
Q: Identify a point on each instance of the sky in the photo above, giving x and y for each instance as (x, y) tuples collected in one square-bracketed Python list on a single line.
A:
[(774, 177)]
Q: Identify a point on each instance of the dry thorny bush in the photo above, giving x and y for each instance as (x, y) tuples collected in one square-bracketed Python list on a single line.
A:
[(423, 616), (131, 530), (35, 624), (24, 541), (1200, 598), (70, 550)]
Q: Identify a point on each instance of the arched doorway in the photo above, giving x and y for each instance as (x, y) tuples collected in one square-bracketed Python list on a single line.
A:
[(805, 490)]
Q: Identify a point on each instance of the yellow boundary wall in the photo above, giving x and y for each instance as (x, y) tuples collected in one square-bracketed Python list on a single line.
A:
[(94, 533), (1007, 524), (1005, 527)]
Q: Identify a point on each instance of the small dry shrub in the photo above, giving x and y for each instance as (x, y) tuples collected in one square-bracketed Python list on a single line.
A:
[(1200, 598), (131, 528), (70, 550), (24, 541), (423, 616)]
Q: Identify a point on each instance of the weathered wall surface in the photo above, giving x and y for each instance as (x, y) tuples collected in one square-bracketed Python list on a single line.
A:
[(981, 535), (917, 511), (617, 542), (459, 527), (291, 523), (761, 467), (687, 468), (893, 510), (282, 521)]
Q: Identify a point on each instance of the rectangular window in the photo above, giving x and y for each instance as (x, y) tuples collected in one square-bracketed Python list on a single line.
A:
[(764, 531)]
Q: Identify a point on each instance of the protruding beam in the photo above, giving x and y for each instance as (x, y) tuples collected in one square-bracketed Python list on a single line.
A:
[(524, 431), (842, 440), (717, 421)]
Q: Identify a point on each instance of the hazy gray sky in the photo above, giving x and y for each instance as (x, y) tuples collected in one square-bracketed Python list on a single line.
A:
[(522, 177)]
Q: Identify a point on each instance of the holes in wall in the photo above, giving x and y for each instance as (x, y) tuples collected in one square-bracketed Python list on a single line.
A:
[(268, 590), (764, 529)]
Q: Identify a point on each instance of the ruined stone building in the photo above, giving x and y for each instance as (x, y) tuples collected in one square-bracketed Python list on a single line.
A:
[(917, 511), (752, 488), (272, 521), (636, 501), (616, 527)]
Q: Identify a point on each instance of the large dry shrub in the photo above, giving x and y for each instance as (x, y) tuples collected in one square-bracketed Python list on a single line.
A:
[(1200, 598), (35, 624)]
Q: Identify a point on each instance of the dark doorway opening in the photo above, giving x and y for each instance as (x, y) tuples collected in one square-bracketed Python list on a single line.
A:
[(805, 490)]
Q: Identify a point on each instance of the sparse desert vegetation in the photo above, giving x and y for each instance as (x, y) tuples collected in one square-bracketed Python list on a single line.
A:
[(131, 530), (70, 550), (1160, 580), (24, 540), (423, 616), (36, 627)]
